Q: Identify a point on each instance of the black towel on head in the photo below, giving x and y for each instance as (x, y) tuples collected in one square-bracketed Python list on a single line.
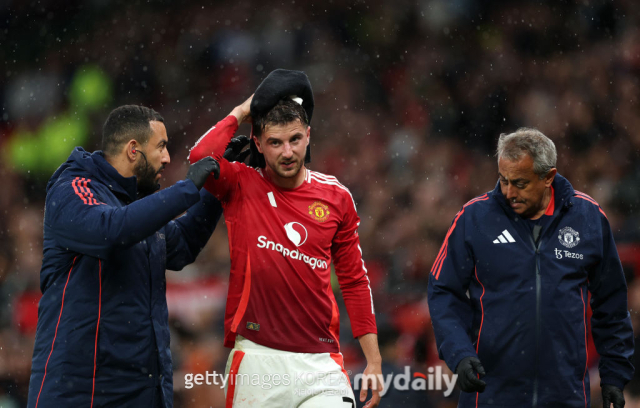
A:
[(278, 85)]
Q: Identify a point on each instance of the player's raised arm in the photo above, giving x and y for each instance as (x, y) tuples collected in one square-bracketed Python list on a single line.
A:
[(214, 143), (215, 140)]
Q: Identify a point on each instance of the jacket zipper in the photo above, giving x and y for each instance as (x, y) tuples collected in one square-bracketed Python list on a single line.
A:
[(536, 248)]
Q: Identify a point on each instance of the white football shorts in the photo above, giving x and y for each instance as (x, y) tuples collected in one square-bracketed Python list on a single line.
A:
[(263, 377)]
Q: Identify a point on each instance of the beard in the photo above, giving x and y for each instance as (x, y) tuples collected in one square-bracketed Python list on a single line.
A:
[(287, 173), (146, 178)]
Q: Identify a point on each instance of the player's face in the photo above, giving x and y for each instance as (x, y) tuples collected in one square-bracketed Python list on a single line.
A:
[(151, 164), (284, 148), (523, 189)]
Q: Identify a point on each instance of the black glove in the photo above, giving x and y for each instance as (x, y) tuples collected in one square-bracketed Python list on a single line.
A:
[(467, 371), (234, 149), (612, 395), (200, 170)]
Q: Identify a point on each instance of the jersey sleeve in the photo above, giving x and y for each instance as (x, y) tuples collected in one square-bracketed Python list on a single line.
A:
[(610, 322), (213, 143), (450, 308), (81, 221), (352, 273)]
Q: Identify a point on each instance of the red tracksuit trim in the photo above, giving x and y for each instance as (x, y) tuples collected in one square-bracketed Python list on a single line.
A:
[(56, 332), (552, 203), (481, 322), (95, 350), (591, 200), (586, 348), (442, 255), (83, 191)]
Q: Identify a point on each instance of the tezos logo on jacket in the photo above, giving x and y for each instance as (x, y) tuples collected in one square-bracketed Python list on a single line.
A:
[(569, 237)]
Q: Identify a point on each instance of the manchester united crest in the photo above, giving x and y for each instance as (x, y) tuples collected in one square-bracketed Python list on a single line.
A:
[(319, 211), (568, 237)]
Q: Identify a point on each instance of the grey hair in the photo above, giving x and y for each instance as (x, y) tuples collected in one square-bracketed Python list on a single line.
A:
[(530, 141)]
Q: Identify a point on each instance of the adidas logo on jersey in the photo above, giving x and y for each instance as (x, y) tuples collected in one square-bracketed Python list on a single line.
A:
[(504, 238)]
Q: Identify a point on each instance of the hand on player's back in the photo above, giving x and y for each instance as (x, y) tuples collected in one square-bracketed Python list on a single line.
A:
[(199, 171)]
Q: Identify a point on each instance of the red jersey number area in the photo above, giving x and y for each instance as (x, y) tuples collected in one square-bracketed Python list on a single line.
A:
[(282, 243)]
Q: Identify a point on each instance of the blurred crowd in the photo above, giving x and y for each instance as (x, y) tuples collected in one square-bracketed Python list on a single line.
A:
[(410, 96)]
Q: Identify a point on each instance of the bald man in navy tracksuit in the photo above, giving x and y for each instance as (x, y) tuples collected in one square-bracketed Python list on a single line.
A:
[(509, 290)]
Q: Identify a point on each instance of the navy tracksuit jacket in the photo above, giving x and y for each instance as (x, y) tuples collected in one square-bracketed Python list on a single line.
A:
[(521, 306), (103, 337)]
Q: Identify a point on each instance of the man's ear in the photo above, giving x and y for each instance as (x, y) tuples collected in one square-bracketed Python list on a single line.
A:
[(131, 150), (308, 134), (256, 140), (548, 179)]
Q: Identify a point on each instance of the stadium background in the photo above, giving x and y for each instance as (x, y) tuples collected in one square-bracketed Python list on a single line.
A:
[(410, 100)]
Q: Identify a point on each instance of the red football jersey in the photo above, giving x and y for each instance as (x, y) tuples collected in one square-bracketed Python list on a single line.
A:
[(282, 242)]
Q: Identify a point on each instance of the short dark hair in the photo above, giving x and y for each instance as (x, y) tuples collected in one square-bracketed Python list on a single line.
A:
[(125, 123), (285, 111)]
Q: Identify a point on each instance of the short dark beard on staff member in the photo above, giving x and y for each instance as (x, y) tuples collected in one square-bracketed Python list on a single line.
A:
[(146, 176)]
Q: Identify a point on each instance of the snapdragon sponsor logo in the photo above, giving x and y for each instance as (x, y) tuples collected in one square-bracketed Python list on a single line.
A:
[(307, 383), (314, 263)]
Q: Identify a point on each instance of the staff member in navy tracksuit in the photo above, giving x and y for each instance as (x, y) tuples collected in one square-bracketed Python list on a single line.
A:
[(508, 291), (103, 335)]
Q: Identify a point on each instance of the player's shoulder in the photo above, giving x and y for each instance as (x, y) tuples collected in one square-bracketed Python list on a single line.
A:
[(328, 185), (240, 167), (326, 182)]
